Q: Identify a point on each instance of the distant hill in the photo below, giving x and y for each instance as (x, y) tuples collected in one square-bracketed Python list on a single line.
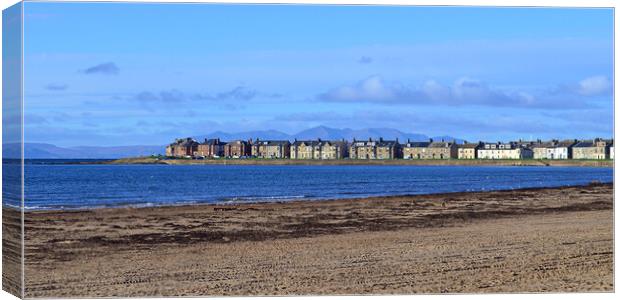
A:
[(264, 134), (42, 150), (326, 133)]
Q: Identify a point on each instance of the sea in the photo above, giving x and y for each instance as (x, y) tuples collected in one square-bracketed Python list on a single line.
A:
[(51, 185)]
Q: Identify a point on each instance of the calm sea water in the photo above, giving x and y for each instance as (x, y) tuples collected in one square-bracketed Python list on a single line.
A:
[(54, 186)]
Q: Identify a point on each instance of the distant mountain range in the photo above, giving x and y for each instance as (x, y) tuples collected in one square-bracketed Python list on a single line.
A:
[(326, 133), (41, 151), (49, 151)]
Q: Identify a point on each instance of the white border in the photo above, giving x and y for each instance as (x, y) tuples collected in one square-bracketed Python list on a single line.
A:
[(505, 3)]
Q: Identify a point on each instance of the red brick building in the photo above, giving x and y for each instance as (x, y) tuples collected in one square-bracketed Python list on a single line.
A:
[(237, 149), (210, 148), (182, 148)]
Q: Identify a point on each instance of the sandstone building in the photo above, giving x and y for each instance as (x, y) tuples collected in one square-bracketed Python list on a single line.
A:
[(553, 149), (375, 149), (430, 150), (319, 149), (468, 150), (415, 150), (442, 150), (596, 149), (305, 149), (271, 149)]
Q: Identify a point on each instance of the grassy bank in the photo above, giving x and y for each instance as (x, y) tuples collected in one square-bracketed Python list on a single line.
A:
[(447, 162)]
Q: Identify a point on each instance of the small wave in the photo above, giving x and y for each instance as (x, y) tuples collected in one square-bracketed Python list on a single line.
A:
[(12, 205)]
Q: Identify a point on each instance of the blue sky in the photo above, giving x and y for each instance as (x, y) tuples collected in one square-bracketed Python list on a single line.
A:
[(130, 73)]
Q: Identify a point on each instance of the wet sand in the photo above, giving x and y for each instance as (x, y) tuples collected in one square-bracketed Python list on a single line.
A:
[(531, 240)]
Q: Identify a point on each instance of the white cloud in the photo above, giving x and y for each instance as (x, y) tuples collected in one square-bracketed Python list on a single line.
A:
[(464, 91), (435, 90), (595, 85), (369, 89)]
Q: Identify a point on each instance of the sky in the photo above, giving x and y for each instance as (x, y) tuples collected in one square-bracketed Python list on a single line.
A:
[(113, 74)]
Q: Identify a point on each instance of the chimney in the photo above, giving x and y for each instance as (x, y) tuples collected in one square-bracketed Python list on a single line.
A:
[(381, 139), (430, 140)]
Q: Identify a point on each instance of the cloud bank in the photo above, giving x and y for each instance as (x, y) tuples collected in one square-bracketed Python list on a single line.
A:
[(240, 93), (465, 91)]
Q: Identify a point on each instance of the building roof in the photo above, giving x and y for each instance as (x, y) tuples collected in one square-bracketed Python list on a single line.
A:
[(584, 144), (363, 143), (186, 142), (272, 142), (440, 145), (417, 144), (567, 143), (330, 143), (215, 141), (550, 144), (307, 143), (238, 142), (383, 143), (506, 146), (468, 146)]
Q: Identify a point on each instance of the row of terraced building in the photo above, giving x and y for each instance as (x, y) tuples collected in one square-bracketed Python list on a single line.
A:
[(390, 149)]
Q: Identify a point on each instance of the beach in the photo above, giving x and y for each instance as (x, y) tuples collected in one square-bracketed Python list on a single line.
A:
[(528, 240)]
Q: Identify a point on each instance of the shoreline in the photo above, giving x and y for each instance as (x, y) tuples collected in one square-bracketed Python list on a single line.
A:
[(354, 162), (554, 239), (295, 201)]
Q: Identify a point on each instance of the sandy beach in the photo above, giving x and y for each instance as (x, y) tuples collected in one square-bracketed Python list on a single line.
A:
[(530, 240)]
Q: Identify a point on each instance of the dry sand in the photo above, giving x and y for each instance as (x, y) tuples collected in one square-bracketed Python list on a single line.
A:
[(533, 240)]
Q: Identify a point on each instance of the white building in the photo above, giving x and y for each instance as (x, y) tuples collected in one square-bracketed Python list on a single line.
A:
[(553, 149), (504, 151), (563, 150)]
